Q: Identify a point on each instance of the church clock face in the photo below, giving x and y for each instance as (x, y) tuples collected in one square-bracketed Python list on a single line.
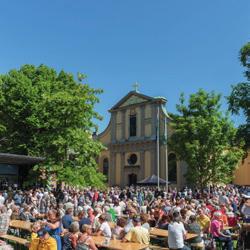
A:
[(132, 159)]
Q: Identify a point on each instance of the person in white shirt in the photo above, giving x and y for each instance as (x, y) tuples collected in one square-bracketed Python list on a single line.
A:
[(117, 208), (176, 233), (2, 199), (104, 229)]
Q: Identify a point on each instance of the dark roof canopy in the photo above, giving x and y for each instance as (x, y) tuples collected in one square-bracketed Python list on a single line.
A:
[(152, 180), (19, 159)]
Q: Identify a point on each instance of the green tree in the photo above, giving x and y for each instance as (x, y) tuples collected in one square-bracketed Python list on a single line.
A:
[(239, 99), (50, 114), (205, 139)]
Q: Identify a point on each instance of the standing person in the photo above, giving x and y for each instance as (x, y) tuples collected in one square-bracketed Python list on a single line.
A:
[(53, 227), (176, 233)]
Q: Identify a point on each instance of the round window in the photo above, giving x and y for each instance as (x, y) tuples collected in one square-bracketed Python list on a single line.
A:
[(132, 159)]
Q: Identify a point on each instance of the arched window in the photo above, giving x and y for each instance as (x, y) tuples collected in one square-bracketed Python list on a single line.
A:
[(105, 167), (172, 168)]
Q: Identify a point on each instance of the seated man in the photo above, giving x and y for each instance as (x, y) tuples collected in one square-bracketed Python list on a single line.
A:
[(104, 229), (176, 233), (203, 220), (43, 242), (137, 233)]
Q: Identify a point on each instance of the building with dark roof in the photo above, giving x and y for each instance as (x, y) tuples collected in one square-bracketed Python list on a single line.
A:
[(14, 168)]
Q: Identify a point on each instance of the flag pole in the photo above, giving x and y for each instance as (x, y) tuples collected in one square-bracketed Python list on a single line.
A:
[(158, 147), (166, 150)]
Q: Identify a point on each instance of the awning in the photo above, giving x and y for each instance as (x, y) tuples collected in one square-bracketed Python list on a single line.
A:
[(14, 159), (152, 180)]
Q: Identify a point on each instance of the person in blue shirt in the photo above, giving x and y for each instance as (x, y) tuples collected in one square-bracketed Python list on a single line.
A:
[(83, 219), (67, 219)]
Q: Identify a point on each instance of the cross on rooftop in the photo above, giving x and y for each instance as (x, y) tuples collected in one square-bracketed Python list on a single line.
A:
[(136, 87)]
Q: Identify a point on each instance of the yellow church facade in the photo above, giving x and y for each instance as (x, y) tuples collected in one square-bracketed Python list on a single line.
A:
[(134, 141), (242, 172)]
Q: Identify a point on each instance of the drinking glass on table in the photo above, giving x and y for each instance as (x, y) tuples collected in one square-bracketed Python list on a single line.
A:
[(106, 240)]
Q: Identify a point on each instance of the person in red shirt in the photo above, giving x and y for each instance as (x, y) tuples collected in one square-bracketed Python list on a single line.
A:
[(211, 208), (95, 196), (232, 219)]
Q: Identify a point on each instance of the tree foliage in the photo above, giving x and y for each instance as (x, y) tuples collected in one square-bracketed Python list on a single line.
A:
[(239, 99), (244, 53), (205, 139), (50, 114)]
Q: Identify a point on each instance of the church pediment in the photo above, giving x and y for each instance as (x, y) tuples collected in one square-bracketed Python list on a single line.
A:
[(132, 98)]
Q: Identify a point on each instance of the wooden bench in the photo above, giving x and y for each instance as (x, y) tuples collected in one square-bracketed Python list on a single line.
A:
[(19, 224), (152, 247), (15, 239)]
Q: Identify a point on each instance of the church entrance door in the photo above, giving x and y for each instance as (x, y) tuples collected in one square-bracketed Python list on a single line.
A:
[(132, 179)]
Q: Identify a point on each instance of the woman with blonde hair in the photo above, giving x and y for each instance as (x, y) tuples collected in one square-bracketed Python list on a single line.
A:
[(85, 241)]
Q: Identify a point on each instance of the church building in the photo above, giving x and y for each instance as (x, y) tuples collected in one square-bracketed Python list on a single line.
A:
[(135, 141)]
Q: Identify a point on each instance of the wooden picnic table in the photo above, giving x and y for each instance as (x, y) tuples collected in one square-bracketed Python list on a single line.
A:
[(117, 244), (13, 238), (19, 224), (164, 233)]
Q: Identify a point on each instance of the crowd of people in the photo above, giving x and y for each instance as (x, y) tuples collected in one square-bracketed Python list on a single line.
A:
[(68, 219)]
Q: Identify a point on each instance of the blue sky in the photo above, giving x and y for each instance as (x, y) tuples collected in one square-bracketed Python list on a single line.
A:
[(167, 46)]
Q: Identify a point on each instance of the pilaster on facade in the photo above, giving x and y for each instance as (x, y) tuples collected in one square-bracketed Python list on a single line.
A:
[(113, 127), (143, 121)]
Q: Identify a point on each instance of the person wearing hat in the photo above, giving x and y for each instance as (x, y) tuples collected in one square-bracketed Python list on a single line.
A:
[(137, 233), (43, 242)]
